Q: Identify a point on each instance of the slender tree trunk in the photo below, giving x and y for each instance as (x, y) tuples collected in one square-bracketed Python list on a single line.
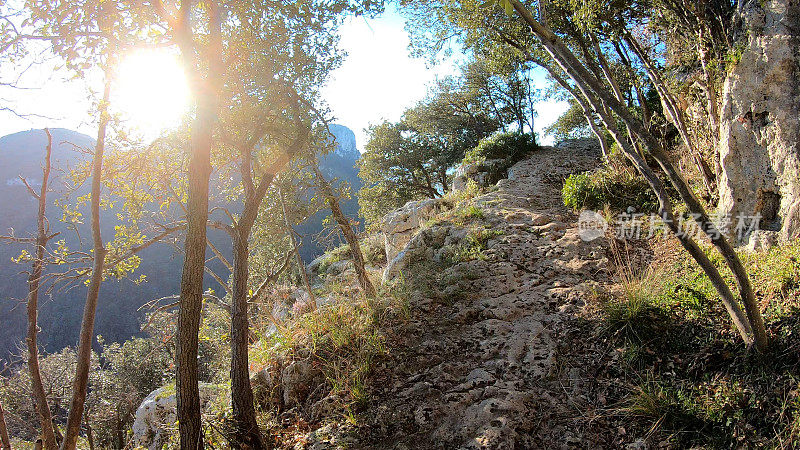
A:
[(530, 102), (81, 381), (206, 92), (300, 265), (665, 212), (34, 280), (244, 415), (90, 437), (674, 113), (598, 134), (5, 441), (609, 76), (59, 436), (443, 180), (249, 435), (711, 92), (349, 234), (591, 88)]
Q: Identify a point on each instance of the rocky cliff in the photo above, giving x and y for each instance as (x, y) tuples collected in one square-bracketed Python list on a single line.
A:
[(760, 130)]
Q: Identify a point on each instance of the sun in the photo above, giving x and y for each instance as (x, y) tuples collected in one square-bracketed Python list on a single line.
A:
[(151, 92)]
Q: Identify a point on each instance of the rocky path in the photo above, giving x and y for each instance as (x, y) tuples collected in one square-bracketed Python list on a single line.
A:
[(474, 367)]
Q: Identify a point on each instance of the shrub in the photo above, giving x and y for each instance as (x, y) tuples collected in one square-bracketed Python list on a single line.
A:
[(371, 248), (635, 316), (579, 192), (510, 147), (617, 188)]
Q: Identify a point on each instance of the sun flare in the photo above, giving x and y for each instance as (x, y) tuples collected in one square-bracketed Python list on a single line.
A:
[(151, 91)]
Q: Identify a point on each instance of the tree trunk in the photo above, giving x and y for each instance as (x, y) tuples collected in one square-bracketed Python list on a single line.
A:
[(205, 90), (712, 104), (349, 234), (81, 380), (300, 265), (5, 442), (34, 280), (244, 414), (90, 437), (665, 212), (191, 293), (591, 88)]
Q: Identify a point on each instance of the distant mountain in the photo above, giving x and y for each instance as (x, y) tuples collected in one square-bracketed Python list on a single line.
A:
[(345, 142), (60, 312), (117, 319)]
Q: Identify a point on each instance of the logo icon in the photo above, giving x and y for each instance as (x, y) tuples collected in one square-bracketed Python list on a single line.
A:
[(591, 225)]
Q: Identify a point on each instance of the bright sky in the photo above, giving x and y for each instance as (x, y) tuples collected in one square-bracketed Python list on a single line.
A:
[(377, 81)]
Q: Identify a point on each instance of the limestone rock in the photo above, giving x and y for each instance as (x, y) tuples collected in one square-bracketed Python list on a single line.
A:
[(297, 379), (154, 421), (762, 240), (400, 225), (484, 173), (760, 131)]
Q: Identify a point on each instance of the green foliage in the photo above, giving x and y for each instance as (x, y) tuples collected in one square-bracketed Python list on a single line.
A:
[(617, 188), (372, 249), (464, 196), (509, 147), (471, 212), (578, 192), (410, 159), (694, 385), (666, 406), (570, 125), (474, 244), (733, 56)]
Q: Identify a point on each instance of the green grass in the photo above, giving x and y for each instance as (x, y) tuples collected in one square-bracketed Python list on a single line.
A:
[(371, 248), (474, 245), (344, 339), (693, 382)]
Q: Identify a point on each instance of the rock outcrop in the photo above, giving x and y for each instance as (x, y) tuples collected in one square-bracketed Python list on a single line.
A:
[(760, 130), (484, 173), (400, 225), (154, 422)]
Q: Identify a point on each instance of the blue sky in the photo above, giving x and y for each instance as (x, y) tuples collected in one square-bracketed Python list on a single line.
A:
[(378, 80)]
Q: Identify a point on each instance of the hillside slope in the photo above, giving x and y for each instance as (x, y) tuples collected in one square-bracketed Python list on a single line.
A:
[(475, 365), (118, 315)]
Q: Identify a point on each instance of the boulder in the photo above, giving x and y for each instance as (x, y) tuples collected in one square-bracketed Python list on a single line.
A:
[(298, 380), (762, 240), (759, 127), (484, 174), (431, 244), (154, 421), (401, 224)]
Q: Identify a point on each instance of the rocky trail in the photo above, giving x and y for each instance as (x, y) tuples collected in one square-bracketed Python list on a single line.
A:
[(476, 366)]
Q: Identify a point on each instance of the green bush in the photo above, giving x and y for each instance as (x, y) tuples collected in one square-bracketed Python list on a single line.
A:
[(617, 188), (579, 192), (510, 147)]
